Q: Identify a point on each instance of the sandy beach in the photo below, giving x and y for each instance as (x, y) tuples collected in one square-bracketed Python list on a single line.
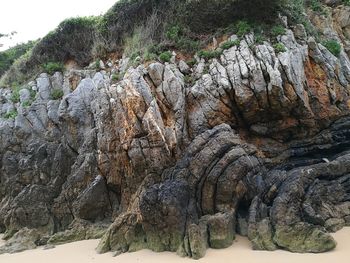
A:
[(240, 251)]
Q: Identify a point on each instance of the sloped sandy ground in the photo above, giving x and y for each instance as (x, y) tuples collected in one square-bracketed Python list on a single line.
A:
[(240, 252)]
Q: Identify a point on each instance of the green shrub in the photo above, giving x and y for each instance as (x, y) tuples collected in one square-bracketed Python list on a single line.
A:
[(191, 62), (155, 49), (346, 2), (316, 5), (11, 114), (180, 39), (279, 47), (133, 45), (295, 10), (230, 43), (277, 30), (259, 39), (148, 56), (187, 44), (173, 33), (165, 56), (243, 28), (96, 65), (125, 16), (333, 46), (203, 16), (74, 38), (209, 54), (21, 71), (15, 97), (15, 94), (57, 94), (32, 93), (8, 57), (134, 55), (117, 77), (26, 103), (52, 67)]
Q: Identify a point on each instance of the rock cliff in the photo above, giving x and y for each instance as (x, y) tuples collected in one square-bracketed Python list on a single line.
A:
[(179, 158)]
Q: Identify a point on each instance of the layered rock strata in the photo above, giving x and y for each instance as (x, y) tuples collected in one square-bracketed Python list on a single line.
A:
[(181, 159)]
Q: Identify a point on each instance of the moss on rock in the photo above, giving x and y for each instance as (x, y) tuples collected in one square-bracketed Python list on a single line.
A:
[(221, 228), (79, 230), (198, 240), (304, 238), (261, 236)]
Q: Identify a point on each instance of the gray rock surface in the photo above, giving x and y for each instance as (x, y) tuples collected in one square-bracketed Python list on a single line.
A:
[(257, 142)]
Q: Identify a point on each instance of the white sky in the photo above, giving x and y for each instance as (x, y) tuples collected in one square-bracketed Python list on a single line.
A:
[(33, 19)]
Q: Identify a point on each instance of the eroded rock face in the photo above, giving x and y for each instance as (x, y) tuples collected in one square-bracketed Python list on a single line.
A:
[(258, 144)]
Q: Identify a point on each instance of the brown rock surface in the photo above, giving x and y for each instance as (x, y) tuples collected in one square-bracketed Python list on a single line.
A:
[(261, 140)]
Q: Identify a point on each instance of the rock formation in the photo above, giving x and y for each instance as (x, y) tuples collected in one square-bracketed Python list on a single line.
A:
[(258, 144)]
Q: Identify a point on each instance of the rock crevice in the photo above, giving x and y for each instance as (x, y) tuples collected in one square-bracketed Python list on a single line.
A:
[(258, 144)]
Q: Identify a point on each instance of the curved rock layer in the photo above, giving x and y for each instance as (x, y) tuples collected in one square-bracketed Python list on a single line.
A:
[(181, 159)]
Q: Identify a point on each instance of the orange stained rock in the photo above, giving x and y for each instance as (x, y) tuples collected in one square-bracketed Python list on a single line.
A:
[(319, 92)]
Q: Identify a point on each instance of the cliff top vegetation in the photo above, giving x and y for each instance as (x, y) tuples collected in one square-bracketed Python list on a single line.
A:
[(147, 28)]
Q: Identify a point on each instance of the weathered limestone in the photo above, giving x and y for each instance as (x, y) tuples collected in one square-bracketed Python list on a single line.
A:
[(257, 142)]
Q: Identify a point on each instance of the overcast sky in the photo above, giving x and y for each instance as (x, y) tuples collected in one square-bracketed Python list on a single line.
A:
[(32, 19)]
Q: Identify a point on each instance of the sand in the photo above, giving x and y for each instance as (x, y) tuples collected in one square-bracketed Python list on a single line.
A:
[(240, 252)]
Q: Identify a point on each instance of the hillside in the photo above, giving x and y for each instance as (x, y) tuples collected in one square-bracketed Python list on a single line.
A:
[(146, 27), (175, 125)]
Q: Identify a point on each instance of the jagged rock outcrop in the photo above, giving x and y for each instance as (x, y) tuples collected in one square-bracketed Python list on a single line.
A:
[(259, 144)]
